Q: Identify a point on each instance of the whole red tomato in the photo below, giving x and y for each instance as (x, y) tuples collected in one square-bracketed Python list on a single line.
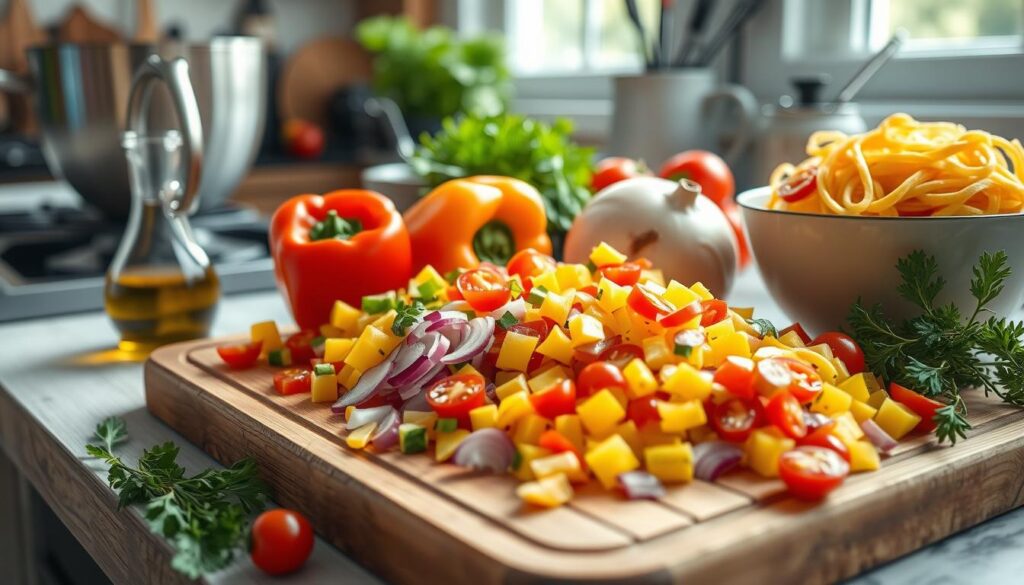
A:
[(303, 139), (281, 541), (705, 168), (614, 169)]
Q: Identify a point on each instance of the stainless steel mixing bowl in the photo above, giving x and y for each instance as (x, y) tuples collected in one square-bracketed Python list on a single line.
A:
[(81, 95)]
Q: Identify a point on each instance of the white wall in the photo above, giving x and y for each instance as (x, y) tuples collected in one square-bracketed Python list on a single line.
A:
[(297, 20)]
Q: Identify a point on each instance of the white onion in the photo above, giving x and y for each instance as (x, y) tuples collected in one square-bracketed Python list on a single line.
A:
[(362, 416)]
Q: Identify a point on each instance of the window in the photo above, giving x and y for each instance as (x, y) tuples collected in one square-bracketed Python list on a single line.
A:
[(979, 26)]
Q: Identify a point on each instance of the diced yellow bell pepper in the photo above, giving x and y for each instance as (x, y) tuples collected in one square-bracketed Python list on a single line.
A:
[(549, 281), (689, 383), (502, 376), (572, 276), (365, 319), (847, 429), (345, 317), (861, 411), (822, 364), (529, 428), (743, 312), (877, 398), (841, 372), (359, 438), (584, 329), (266, 331), (792, 339), (732, 344), (514, 407), (327, 330), (611, 296), (601, 412), (468, 369), (609, 458), (680, 296), (548, 378), (652, 275), (566, 462), (337, 348), (385, 321), (657, 353), (324, 388), (556, 307), (763, 447), (425, 419), (822, 349), (640, 379), (831, 401), (369, 350), (857, 387), (516, 384), (549, 492), (349, 376), (532, 314), (740, 324), (429, 274), (447, 443), (895, 419), (702, 434), (557, 346), (670, 463), (516, 351), (702, 291), (570, 427), (484, 417), (527, 455), (679, 417), (651, 434), (863, 456), (603, 255)]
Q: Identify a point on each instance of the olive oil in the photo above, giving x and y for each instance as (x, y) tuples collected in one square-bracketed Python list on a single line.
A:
[(152, 306)]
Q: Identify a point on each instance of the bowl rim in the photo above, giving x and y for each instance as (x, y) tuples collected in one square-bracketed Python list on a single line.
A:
[(742, 200)]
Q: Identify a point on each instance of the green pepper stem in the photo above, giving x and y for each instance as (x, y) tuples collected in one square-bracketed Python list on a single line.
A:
[(335, 226), (494, 243)]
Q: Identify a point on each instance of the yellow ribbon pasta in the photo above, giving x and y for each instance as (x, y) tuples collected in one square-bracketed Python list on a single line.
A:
[(906, 168)]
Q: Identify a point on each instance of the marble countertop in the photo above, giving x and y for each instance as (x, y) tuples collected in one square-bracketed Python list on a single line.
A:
[(80, 389)]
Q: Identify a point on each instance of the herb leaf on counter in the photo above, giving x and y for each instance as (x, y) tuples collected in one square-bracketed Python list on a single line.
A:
[(939, 352), (205, 517)]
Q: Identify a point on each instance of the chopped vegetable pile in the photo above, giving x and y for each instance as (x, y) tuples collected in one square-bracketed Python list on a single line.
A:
[(559, 373)]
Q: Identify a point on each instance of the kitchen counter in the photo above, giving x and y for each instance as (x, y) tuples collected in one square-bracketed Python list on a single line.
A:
[(57, 381)]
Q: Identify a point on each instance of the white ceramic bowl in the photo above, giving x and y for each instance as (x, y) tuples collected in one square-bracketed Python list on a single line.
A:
[(816, 266)]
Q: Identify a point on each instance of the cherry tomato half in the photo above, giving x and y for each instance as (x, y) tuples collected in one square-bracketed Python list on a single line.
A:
[(455, 396), (485, 290), (643, 410), (799, 186), (806, 383), (823, 437), (301, 346), (737, 375), (799, 329), (681, 316), (625, 274), (597, 376), (556, 400), (239, 356), (707, 169), (622, 354), (845, 348), (736, 418), (812, 472), (647, 303), (530, 262), (785, 412), (713, 311), (614, 169), (556, 442), (281, 541), (589, 353), (921, 405), (292, 381)]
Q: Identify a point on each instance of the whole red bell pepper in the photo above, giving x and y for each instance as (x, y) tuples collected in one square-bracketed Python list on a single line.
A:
[(340, 246)]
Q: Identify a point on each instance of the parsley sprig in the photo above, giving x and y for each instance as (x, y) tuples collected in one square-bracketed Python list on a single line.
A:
[(205, 517), (939, 352), (408, 314)]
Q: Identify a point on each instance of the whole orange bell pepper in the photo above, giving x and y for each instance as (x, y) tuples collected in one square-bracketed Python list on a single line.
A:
[(340, 246), (485, 218)]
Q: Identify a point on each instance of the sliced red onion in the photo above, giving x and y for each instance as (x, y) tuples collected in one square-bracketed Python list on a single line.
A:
[(386, 435), (878, 437), (474, 342), (417, 331), (490, 392), (714, 458), (516, 307), (486, 449), (435, 373), (432, 316), (454, 327), (417, 359), (362, 416), (369, 383), (815, 420), (640, 485), (417, 402)]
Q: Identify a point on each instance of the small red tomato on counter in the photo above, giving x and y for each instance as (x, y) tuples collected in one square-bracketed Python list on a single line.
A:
[(239, 356), (614, 169), (845, 348), (707, 169), (812, 472), (303, 139), (281, 541)]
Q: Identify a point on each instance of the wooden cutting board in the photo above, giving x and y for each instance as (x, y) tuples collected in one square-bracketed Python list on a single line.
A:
[(406, 518)]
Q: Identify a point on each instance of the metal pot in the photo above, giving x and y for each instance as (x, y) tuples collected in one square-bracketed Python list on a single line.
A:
[(81, 93)]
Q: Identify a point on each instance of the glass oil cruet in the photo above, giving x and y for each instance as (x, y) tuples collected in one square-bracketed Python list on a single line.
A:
[(161, 286)]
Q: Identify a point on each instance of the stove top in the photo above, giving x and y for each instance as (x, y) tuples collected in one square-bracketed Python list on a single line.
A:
[(54, 253)]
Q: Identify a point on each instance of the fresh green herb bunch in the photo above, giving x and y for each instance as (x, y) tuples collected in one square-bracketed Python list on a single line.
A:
[(939, 352), (432, 73), (515, 146), (205, 517)]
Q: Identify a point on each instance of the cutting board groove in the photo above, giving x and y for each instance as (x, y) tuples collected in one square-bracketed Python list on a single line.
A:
[(406, 516)]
